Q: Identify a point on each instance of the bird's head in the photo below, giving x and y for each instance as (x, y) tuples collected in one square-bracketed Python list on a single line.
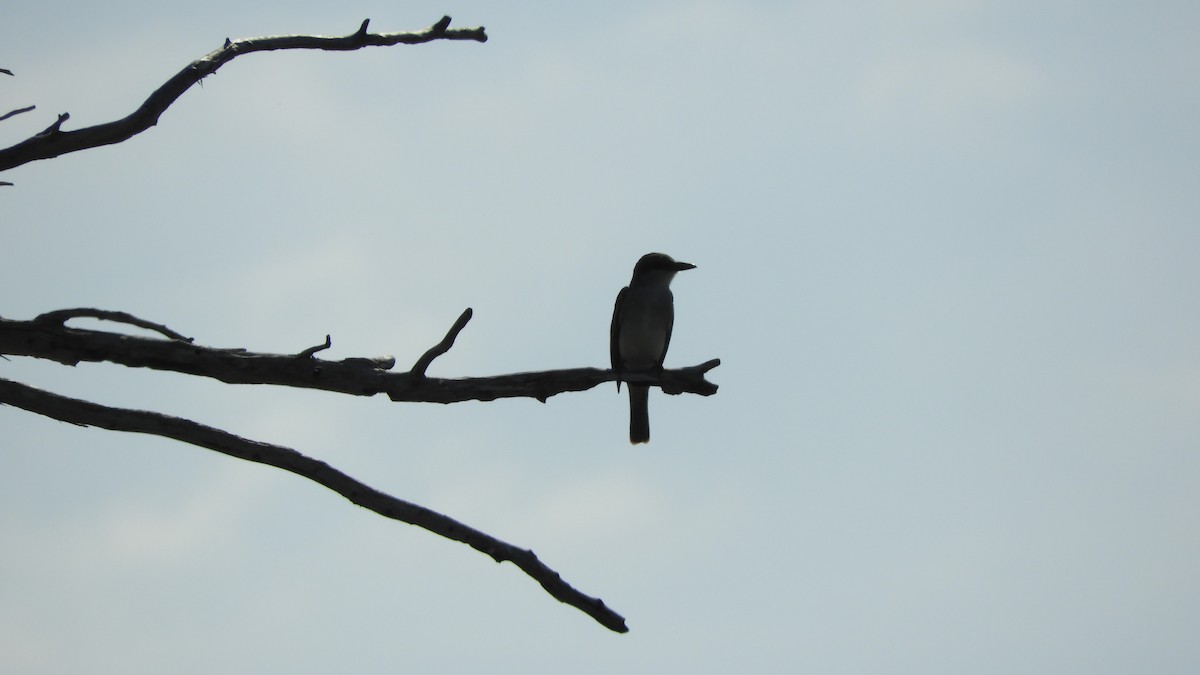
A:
[(659, 264)]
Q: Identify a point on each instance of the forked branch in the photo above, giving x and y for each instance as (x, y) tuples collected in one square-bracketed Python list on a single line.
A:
[(48, 337)]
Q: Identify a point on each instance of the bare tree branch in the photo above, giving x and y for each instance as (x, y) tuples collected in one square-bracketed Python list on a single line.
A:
[(18, 111), (422, 364), (86, 413), (307, 353), (48, 339), (12, 113), (61, 316), (54, 141)]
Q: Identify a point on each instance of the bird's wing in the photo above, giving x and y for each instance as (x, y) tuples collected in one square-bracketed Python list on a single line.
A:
[(670, 327), (614, 336)]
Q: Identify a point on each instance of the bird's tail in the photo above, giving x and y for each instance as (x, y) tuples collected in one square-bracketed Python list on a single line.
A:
[(639, 413)]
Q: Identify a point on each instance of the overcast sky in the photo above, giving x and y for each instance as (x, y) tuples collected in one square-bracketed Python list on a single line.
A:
[(947, 253)]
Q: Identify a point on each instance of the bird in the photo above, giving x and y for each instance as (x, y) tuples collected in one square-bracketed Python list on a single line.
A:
[(642, 320)]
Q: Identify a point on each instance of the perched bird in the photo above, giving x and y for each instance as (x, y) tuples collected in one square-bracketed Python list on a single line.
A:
[(641, 331)]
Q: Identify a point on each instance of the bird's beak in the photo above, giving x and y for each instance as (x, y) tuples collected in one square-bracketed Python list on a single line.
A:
[(681, 266)]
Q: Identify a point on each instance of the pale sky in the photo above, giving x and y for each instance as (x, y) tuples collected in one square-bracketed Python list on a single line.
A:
[(947, 253)]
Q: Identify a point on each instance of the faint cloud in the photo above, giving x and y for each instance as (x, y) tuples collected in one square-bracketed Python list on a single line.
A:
[(585, 509), (615, 505), (698, 19), (319, 278), (200, 523), (945, 84), (25, 648), (298, 274), (145, 532)]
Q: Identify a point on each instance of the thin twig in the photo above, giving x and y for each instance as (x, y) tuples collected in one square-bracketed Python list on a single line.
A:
[(86, 413), (55, 128), (307, 353), (18, 111), (422, 364), (60, 316)]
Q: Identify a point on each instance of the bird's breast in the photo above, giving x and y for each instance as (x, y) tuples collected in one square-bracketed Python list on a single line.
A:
[(646, 320)]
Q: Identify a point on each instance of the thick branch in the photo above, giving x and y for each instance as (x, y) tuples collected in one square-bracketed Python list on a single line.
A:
[(85, 413), (51, 340), (54, 141)]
